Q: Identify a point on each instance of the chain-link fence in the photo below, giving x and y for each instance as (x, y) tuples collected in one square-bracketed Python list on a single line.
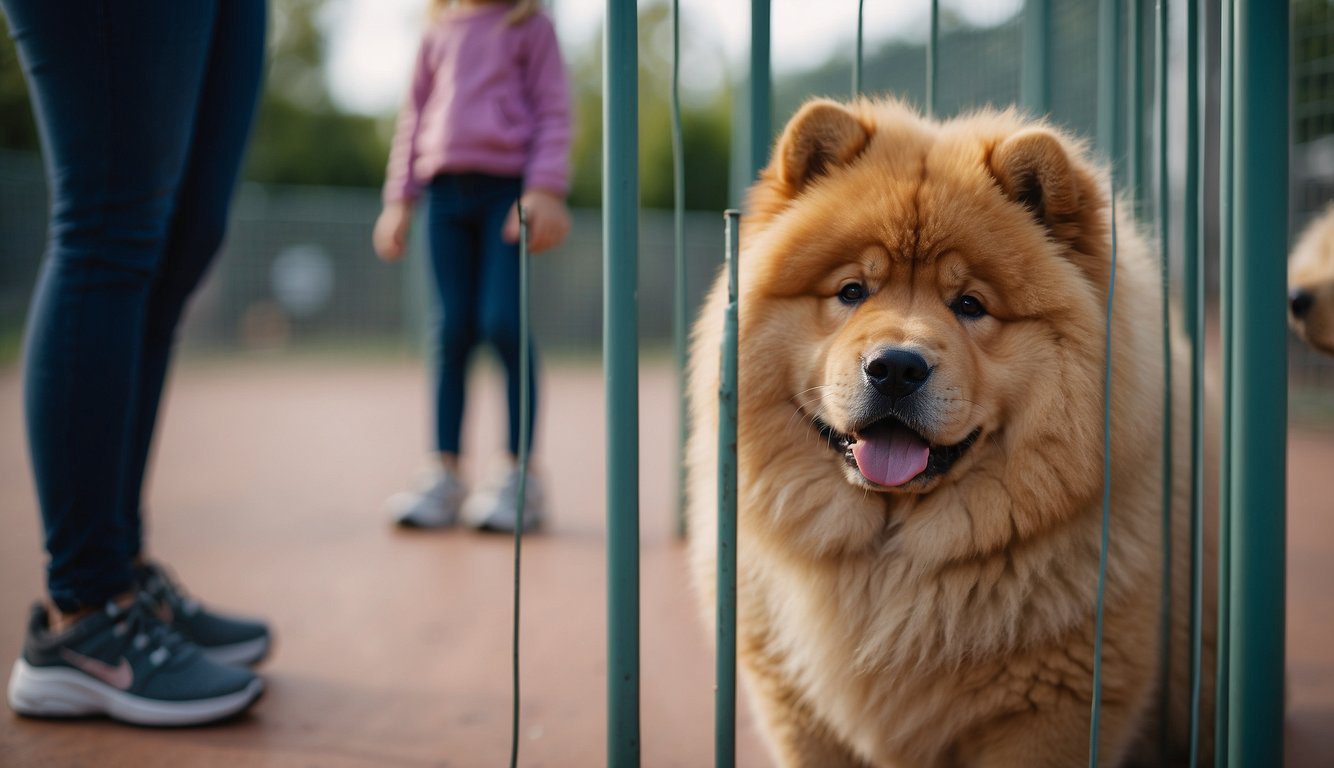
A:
[(297, 270)]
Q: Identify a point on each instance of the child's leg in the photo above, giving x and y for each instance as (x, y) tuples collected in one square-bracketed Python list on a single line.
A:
[(498, 308), (453, 236)]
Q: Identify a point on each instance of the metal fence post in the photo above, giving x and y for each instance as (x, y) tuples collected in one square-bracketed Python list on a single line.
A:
[(857, 54), (725, 663), (1109, 144), (1222, 650), (1110, 135), (932, 58), (761, 89), (1258, 402), (1192, 239), (620, 231), (1164, 200), (1134, 164), (1035, 69)]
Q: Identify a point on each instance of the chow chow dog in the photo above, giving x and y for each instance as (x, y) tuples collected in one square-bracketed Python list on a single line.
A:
[(920, 456), (1311, 283)]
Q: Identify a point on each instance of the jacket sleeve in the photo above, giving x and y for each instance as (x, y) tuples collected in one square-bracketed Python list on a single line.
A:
[(548, 92), (399, 184)]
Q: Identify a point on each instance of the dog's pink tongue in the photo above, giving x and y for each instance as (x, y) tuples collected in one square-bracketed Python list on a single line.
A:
[(891, 457)]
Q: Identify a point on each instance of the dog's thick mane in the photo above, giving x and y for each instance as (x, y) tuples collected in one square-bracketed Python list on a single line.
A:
[(842, 587)]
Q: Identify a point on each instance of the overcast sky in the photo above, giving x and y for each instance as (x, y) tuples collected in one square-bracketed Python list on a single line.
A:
[(372, 41)]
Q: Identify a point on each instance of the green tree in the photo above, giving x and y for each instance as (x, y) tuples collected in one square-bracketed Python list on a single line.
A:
[(706, 127), (17, 129), (300, 136)]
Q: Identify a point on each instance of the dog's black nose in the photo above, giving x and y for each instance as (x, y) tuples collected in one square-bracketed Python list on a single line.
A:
[(1300, 302), (896, 372)]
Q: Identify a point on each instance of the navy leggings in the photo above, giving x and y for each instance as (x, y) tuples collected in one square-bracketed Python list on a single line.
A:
[(477, 277), (144, 108)]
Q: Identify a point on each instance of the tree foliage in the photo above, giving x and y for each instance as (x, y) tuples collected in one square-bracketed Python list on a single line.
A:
[(17, 129)]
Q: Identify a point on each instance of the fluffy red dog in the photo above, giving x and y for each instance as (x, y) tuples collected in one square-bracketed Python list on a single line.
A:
[(922, 329)]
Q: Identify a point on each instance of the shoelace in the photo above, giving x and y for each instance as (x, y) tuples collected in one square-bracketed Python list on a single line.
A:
[(140, 624), (162, 587)]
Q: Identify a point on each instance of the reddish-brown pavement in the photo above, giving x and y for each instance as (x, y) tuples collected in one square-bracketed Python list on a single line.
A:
[(393, 648)]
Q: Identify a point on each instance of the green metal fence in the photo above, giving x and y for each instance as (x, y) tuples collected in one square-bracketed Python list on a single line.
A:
[(1252, 187)]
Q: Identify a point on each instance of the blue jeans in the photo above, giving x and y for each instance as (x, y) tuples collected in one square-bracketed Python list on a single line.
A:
[(144, 108), (477, 279)]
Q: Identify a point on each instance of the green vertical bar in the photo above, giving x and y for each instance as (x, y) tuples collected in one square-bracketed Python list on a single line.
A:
[(1035, 75), (1258, 402), (1109, 130), (1226, 338), (1192, 207), (761, 89), (1109, 142), (1095, 709), (724, 705), (932, 58), (679, 234), (857, 57), (1110, 139), (1161, 32), (620, 233), (1134, 163)]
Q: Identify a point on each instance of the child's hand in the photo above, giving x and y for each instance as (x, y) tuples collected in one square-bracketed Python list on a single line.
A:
[(548, 220), (391, 230)]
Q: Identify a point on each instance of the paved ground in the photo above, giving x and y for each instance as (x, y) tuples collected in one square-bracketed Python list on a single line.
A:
[(394, 648)]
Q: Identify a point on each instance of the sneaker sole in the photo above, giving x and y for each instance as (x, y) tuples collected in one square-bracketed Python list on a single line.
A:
[(242, 654), (64, 692), (492, 526), (412, 523)]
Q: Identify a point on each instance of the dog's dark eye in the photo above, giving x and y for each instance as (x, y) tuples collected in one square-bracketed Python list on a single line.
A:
[(968, 306), (852, 293)]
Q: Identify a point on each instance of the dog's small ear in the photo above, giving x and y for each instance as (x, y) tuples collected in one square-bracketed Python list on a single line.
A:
[(1034, 169), (823, 134)]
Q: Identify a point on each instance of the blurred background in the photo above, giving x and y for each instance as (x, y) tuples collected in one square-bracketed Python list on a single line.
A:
[(298, 271)]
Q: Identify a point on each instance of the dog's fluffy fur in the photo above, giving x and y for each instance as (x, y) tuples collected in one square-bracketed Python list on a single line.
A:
[(1311, 274), (948, 621)]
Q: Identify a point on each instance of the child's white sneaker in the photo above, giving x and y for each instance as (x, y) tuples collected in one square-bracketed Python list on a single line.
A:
[(435, 505), (493, 507)]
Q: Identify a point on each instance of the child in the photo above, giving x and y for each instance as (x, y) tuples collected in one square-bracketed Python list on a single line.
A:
[(486, 126)]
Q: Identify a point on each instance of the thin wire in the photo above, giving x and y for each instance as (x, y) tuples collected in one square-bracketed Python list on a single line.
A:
[(1106, 501), (525, 405)]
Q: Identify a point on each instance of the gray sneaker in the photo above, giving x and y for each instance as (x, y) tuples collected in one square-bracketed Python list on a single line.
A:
[(127, 664), (223, 638), (493, 506), (435, 505)]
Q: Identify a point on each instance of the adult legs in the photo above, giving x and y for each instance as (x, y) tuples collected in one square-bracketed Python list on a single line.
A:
[(115, 87), (223, 117)]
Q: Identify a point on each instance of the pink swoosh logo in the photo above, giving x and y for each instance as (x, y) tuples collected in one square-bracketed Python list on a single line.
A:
[(120, 676)]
